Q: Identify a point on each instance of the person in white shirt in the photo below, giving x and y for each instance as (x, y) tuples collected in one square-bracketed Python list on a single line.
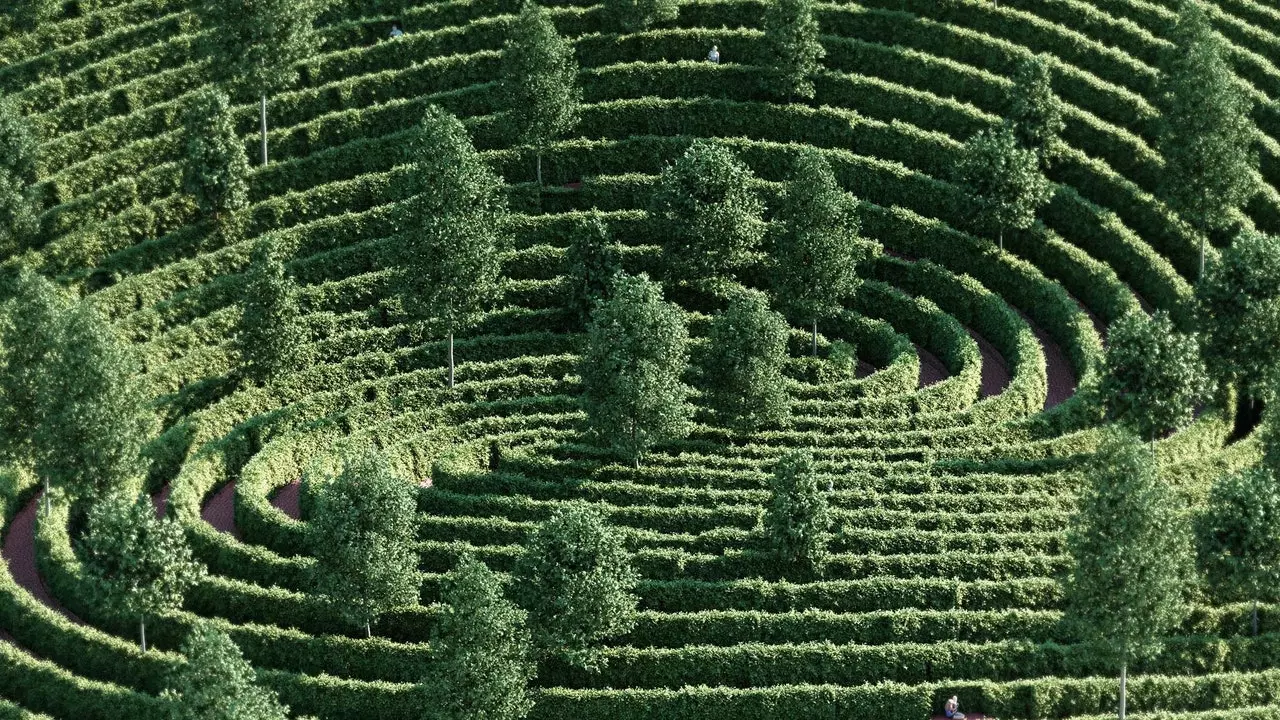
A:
[(714, 55), (395, 30)]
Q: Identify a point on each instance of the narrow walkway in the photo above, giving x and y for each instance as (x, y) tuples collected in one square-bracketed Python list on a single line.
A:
[(20, 555), (995, 371), (288, 500), (220, 511), (161, 500), (931, 368)]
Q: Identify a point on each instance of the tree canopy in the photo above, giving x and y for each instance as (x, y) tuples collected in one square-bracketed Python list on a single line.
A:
[(19, 206), (1036, 112), (742, 374), (1005, 180), (797, 518), (363, 532), (576, 581), (1239, 312), (636, 15), (98, 416), (637, 354), (708, 211), (817, 244), (1153, 376), (217, 683), (271, 338), (19, 143), (255, 45), (29, 14), (215, 166), (1206, 132), (29, 339), (539, 80), (591, 261), (795, 55), (481, 649), (136, 565), (1239, 538)]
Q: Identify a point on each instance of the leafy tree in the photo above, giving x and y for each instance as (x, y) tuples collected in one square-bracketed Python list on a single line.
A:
[(591, 261), (1270, 434), (1152, 377), (1130, 546), (707, 208), (215, 165), (795, 55), (637, 352), (136, 564), (1005, 180), (19, 144), (363, 533), (97, 417), (539, 80), (637, 15), (481, 649), (797, 519), (29, 14), (576, 581), (217, 683), (743, 373), (1206, 134), (456, 227), (255, 45), (1036, 113), (271, 338), (29, 338), (817, 245), (19, 219), (1239, 538), (1239, 312)]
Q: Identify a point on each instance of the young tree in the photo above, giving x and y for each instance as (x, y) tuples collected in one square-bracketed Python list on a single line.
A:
[(456, 228), (797, 519), (19, 220), (1206, 134), (255, 46), (481, 649), (637, 353), (217, 683), (575, 580), (743, 373), (215, 166), (19, 206), (637, 15), (1239, 312), (795, 55), (271, 339), (1132, 561), (1036, 113), (136, 565), (363, 533), (1152, 377), (1005, 180), (1239, 538), (817, 245), (29, 325), (539, 81), (591, 261), (97, 416), (707, 209)]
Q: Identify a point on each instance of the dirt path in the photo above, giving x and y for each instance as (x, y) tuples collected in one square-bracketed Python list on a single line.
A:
[(931, 368), (288, 500), (220, 511), (995, 371), (161, 500), (20, 555)]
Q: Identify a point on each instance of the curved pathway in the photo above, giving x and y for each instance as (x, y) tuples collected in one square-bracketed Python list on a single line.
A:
[(20, 555), (995, 371), (288, 500), (220, 511), (931, 368)]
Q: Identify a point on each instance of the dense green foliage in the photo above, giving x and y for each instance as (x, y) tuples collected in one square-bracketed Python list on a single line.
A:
[(1004, 179), (708, 211), (18, 151), (1153, 377), (742, 374), (1239, 312), (539, 81), (797, 519), (481, 649), (215, 166), (795, 55), (29, 324), (576, 581), (637, 15), (1036, 112), (216, 683), (1239, 538), (637, 354), (136, 565), (255, 45), (271, 340), (363, 532), (591, 261)]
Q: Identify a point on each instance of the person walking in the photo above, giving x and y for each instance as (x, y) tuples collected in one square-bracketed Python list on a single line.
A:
[(714, 55)]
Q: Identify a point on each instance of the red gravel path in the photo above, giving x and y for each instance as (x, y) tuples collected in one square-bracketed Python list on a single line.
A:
[(220, 511), (931, 368), (288, 500), (161, 499), (995, 371), (20, 554), (1062, 379)]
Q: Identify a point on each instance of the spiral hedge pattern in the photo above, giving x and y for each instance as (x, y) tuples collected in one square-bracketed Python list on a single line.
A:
[(951, 455)]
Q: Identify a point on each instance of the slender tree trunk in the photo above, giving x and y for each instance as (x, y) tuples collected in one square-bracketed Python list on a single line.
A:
[(46, 496), (1254, 621), (1001, 235), (1124, 677), (539, 169), (143, 632), (368, 631), (264, 128), (635, 451), (1203, 241), (815, 337), (450, 359)]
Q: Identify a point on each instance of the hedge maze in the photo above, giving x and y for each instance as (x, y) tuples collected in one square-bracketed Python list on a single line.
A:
[(943, 410)]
